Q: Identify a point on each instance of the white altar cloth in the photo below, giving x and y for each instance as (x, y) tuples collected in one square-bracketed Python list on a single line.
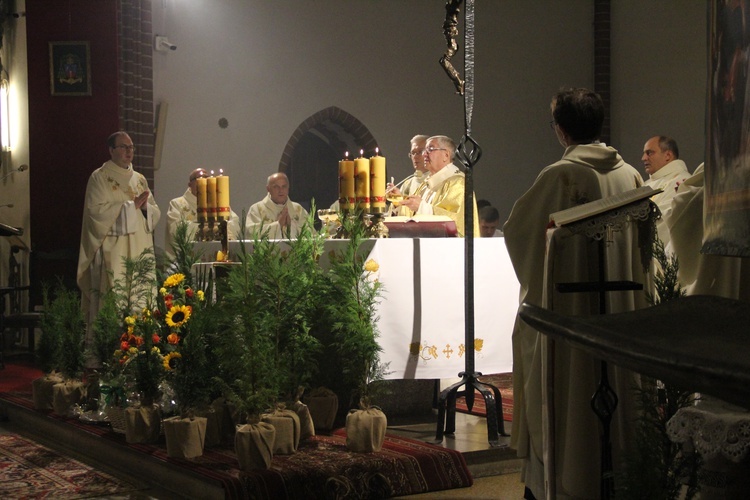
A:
[(421, 311)]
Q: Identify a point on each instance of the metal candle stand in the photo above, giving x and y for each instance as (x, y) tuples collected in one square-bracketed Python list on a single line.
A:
[(214, 230), (468, 153)]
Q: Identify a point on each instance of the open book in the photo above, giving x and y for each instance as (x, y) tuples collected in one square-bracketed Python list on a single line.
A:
[(602, 205)]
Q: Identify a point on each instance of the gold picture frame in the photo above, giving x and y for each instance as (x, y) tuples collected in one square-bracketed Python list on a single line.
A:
[(70, 68)]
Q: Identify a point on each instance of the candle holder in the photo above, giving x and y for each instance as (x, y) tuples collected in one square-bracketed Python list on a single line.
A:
[(223, 233), (375, 225)]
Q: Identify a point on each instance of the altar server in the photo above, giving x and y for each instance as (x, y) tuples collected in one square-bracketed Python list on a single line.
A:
[(276, 214), (589, 170), (119, 216)]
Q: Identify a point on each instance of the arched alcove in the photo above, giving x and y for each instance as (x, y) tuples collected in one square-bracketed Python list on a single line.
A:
[(311, 155)]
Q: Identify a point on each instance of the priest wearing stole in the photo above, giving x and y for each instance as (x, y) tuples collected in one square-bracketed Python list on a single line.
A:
[(276, 214), (119, 216), (443, 191), (589, 170)]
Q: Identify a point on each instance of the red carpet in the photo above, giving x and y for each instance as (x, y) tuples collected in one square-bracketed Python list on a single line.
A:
[(504, 382), (29, 470), (17, 377), (322, 468)]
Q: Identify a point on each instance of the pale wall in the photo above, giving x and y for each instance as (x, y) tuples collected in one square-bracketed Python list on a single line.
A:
[(267, 66)]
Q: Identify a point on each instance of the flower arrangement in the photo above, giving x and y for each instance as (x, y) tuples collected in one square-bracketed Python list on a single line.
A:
[(150, 345)]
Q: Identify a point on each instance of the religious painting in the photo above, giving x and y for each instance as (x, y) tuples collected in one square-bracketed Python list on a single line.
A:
[(70, 68), (727, 170)]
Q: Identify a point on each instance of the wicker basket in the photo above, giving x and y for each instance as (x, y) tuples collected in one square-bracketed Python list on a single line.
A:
[(116, 417)]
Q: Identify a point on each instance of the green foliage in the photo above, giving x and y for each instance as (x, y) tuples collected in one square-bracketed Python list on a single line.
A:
[(270, 300), (106, 332), (666, 284), (183, 249), (246, 369), (656, 467), (63, 332), (348, 329)]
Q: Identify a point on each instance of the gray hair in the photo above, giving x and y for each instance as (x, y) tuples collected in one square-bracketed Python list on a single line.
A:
[(445, 142), (270, 177)]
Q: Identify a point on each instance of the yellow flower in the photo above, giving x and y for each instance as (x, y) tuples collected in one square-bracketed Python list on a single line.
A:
[(133, 351), (372, 266), (178, 316), (168, 360), (130, 320), (146, 312), (201, 295), (163, 291), (155, 350), (174, 280), (131, 329)]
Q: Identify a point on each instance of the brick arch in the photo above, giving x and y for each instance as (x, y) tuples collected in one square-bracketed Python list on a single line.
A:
[(362, 137)]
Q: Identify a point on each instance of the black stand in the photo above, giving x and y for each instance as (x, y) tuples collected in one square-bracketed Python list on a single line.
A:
[(468, 154), (604, 401)]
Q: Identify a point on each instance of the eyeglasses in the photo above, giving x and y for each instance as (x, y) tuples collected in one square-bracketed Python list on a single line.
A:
[(414, 153), (429, 151), (125, 147)]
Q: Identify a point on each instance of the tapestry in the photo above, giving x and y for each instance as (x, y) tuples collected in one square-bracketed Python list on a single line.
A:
[(504, 382), (33, 471), (727, 197)]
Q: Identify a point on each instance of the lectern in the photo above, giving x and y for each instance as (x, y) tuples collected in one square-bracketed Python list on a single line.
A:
[(599, 237)]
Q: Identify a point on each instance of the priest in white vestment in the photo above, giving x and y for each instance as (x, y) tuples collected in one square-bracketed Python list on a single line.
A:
[(661, 160), (702, 274), (410, 184), (443, 191), (119, 216), (276, 214), (589, 170), (185, 208)]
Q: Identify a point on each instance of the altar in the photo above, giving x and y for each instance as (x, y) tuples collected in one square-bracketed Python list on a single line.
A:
[(421, 311)]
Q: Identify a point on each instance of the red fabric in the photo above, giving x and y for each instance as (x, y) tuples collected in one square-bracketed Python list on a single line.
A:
[(504, 382), (322, 467)]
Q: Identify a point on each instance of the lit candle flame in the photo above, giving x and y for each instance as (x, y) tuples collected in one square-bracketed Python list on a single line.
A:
[(361, 153), (376, 151), (346, 155)]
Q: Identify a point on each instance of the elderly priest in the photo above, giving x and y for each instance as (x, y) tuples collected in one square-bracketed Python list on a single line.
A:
[(276, 214)]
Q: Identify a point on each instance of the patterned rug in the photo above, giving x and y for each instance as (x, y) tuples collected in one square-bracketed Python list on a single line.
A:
[(504, 382), (28, 470), (322, 467)]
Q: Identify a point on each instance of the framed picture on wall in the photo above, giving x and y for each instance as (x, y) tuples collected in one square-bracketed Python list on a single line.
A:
[(70, 68)]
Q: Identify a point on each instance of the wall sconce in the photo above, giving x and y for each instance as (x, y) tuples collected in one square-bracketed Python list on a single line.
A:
[(5, 115)]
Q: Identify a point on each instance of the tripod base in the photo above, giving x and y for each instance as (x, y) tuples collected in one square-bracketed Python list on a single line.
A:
[(446, 423)]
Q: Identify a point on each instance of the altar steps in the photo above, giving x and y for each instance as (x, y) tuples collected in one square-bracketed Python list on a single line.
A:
[(166, 481)]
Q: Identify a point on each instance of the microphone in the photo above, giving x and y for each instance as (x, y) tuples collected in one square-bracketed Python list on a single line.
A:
[(20, 168)]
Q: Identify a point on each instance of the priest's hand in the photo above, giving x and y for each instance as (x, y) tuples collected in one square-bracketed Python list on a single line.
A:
[(141, 200), (284, 219), (391, 189), (412, 202)]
